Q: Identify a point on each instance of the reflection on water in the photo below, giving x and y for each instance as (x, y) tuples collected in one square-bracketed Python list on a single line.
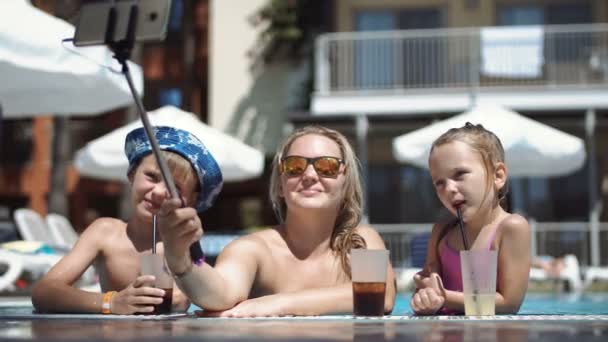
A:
[(211, 329), (18, 322)]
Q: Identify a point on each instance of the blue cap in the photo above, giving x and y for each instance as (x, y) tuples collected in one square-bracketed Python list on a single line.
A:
[(186, 145)]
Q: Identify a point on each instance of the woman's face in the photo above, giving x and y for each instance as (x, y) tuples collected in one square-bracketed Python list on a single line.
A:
[(309, 190), (149, 190)]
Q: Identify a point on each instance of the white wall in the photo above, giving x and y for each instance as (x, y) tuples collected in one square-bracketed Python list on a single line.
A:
[(245, 100)]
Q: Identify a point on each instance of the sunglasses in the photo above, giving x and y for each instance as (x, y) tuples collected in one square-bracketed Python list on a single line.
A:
[(328, 167)]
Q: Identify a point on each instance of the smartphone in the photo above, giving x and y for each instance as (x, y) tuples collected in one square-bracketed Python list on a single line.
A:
[(92, 23)]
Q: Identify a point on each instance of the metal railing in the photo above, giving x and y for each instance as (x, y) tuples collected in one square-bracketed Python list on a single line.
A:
[(462, 58), (548, 238)]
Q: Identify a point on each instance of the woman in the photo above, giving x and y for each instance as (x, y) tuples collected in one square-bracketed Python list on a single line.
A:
[(299, 267)]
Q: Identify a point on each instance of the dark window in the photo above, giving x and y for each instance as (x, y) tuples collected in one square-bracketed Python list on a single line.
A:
[(16, 142), (170, 96), (176, 15)]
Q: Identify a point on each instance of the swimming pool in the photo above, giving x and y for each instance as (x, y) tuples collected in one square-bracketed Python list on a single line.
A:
[(534, 304), (539, 304), (18, 322)]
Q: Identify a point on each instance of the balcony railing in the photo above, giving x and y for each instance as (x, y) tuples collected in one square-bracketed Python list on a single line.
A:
[(548, 238), (462, 59)]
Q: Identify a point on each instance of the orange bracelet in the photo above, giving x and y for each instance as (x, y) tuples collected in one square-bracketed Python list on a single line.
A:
[(106, 307)]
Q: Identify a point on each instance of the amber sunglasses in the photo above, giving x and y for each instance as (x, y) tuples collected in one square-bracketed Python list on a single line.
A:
[(328, 167)]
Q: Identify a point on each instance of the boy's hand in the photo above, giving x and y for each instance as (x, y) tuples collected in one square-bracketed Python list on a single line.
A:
[(140, 297)]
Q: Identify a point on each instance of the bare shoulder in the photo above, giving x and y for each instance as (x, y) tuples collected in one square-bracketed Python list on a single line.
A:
[(251, 243), (104, 228), (370, 235), (515, 226), (366, 230)]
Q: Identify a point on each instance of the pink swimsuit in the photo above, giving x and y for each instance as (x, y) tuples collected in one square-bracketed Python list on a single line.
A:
[(450, 263), (450, 266)]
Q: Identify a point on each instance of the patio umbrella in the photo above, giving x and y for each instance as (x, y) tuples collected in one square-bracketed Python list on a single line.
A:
[(532, 149), (104, 157), (40, 75)]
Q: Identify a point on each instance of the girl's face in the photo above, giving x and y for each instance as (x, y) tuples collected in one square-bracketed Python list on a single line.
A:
[(309, 189), (149, 190), (461, 180)]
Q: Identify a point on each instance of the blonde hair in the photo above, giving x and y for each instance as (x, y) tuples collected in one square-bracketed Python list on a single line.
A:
[(343, 238), (180, 169), (483, 141)]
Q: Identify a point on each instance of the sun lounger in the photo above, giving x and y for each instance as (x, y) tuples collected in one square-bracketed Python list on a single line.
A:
[(570, 273), (595, 273), (61, 230), (13, 268)]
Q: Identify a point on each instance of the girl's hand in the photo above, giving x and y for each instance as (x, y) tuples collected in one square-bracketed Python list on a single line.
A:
[(430, 296), (422, 280), (267, 306), (432, 281), (427, 301), (137, 297)]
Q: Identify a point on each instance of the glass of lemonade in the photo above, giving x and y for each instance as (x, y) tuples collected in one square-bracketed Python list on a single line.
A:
[(478, 269)]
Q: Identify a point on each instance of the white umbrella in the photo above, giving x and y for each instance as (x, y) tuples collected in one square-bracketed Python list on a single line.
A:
[(532, 149), (104, 157), (39, 75)]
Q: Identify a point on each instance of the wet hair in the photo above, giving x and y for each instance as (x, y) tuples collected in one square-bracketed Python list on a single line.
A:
[(343, 238), (485, 143), (491, 150)]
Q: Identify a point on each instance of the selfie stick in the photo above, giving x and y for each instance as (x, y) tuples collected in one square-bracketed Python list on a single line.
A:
[(122, 51)]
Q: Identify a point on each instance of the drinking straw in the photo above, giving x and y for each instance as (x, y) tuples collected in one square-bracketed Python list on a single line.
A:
[(154, 234), (465, 241)]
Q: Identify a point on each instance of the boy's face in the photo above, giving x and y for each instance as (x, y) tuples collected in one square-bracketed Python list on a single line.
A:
[(149, 190)]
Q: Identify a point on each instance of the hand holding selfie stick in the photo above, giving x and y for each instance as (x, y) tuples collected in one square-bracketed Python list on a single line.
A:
[(122, 51)]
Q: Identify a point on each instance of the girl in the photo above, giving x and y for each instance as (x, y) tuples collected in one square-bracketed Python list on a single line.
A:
[(115, 247), (299, 267), (469, 172)]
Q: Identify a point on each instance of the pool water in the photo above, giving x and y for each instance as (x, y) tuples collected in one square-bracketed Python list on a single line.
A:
[(539, 304), (534, 304)]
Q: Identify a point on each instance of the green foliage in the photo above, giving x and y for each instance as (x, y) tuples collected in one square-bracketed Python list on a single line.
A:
[(286, 28)]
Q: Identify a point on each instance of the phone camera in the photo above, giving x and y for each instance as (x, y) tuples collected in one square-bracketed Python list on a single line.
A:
[(152, 16)]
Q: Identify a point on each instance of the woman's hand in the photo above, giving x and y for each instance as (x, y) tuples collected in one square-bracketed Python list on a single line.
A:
[(267, 306), (179, 228), (139, 297)]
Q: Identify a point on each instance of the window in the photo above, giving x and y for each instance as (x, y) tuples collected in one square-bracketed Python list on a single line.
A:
[(170, 97), (379, 63), (558, 48), (176, 15), (521, 15)]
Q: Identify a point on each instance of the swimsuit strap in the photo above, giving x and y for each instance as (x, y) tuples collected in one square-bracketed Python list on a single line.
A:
[(493, 236)]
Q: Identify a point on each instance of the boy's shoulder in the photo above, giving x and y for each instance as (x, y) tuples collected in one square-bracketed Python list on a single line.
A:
[(106, 226)]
